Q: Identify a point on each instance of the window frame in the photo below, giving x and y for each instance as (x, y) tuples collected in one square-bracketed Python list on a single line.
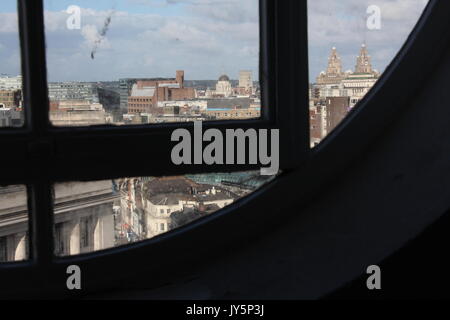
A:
[(68, 147), (41, 153), (419, 57)]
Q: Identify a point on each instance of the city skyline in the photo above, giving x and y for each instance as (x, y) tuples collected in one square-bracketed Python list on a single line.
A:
[(207, 38)]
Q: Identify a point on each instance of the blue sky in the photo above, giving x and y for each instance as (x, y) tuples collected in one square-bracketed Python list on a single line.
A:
[(206, 38)]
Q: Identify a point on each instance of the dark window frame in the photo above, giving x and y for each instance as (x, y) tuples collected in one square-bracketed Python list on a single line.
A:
[(418, 58), (43, 154)]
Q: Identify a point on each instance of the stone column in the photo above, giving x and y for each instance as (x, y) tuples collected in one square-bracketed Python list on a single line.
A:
[(74, 237), (104, 233), (20, 253), (97, 223)]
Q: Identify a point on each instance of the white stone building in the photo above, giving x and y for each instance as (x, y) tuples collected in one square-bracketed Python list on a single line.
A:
[(83, 219), (11, 83), (223, 86)]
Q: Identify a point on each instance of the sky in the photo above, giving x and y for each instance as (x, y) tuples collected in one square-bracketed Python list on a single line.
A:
[(206, 38)]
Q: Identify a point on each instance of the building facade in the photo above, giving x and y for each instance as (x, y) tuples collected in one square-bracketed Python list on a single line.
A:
[(146, 95), (11, 98), (10, 83), (246, 79), (82, 91), (334, 74), (84, 219), (77, 113)]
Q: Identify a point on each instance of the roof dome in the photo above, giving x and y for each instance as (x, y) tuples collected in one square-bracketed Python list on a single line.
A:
[(224, 78)]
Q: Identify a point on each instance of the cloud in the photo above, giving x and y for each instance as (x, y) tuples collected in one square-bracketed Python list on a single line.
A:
[(151, 38), (155, 43), (8, 23)]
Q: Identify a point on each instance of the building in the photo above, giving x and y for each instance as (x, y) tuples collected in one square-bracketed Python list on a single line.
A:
[(141, 99), (10, 83), (197, 105), (233, 114), (13, 224), (83, 91), (246, 80), (357, 84), (334, 74), (146, 95), (337, 109), (84, 219), (11, 117), (231, 103), (223, 87), (11, 98), (77, 113), (336, 92), (168, 200), (318, 123)]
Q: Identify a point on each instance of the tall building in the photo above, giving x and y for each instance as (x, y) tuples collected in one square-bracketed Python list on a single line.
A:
[(337, 109), (141, 99), (334, 73), (363, 62), (335, 83), (223, 86), (318, 123), (357, 84), (180, 78), (245, 79), (144, 95)]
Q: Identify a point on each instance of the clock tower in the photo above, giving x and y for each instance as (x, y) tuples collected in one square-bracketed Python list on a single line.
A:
[(363, 63)]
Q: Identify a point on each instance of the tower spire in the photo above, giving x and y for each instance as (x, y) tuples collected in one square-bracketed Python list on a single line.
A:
[(363, 62), (334, 63), (334, 74)]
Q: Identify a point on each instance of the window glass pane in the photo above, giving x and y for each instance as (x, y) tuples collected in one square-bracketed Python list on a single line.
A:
[(351, 43), (91, 216), (11, 102), (13, 224), (143, 62)]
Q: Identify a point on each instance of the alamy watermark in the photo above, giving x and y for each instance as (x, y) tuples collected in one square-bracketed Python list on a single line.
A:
[(257, 142), (73, 22), (74, 279), (374, 19), (374, 280)]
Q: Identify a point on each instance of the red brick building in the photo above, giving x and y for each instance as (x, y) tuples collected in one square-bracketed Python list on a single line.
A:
[(146, 94)]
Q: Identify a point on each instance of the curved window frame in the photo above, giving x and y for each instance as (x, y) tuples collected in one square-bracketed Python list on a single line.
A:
[(244, 220)]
